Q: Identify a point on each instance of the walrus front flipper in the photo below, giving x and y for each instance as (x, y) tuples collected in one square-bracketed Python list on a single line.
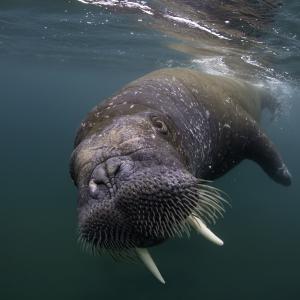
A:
[(263, 151)]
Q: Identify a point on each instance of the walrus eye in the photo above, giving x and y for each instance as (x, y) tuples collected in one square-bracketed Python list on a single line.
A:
[(159, 125)]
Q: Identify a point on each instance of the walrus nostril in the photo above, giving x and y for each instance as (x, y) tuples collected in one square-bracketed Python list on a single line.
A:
[(113, 166), (100, 175), (98, 181), (95, 187), (103, 177)]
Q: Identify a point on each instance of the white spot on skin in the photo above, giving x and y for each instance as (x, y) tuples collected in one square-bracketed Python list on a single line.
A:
[(227, 126), (153, 136), (131, 106)]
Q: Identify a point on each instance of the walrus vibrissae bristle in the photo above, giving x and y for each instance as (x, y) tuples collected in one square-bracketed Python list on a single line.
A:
[(198, 225), (210, 197)]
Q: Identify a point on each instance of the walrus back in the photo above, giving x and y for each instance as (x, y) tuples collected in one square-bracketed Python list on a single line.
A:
[(212, 89)]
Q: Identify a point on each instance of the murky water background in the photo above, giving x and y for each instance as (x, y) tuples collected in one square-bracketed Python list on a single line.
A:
[(57, 60)]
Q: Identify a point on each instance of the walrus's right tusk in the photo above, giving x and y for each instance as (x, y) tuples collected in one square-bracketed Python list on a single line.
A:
[(201, 228), (146, 258)]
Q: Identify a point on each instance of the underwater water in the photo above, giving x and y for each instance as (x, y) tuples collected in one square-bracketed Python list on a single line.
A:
[(58, 59)]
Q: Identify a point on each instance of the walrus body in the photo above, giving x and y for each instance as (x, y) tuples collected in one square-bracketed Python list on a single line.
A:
[(142, 156)]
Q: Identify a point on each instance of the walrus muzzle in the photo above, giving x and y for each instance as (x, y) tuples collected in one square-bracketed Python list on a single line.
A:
[(147, 208)]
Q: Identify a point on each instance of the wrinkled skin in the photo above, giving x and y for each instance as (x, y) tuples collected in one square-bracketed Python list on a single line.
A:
[(138, 156)]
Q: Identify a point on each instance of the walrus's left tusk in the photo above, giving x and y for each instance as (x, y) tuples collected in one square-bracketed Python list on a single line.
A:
[(146, 258), (201, 228)]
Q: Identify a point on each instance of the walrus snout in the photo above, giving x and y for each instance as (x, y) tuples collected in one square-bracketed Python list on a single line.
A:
[(151, 205), (130, 208), (104, 177)]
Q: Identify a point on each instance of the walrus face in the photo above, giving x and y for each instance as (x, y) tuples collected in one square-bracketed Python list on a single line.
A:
[(134, 188)]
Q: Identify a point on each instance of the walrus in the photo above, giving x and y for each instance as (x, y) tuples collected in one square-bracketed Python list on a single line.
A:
[(143, 158)]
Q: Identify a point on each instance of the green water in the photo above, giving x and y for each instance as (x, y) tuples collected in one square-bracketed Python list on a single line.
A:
[(46, 88)]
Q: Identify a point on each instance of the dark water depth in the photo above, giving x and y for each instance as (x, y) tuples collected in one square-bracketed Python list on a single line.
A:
[(57, 60)]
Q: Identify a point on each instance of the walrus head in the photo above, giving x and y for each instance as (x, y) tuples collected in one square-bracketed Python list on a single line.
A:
[(135, 187)]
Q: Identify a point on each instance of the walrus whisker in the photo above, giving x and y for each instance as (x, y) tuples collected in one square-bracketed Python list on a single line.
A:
[(211, 206), (118, 253), (216, 199), (207, 204), (214, 196), (204, 209), (215, 193), (187, 229)]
